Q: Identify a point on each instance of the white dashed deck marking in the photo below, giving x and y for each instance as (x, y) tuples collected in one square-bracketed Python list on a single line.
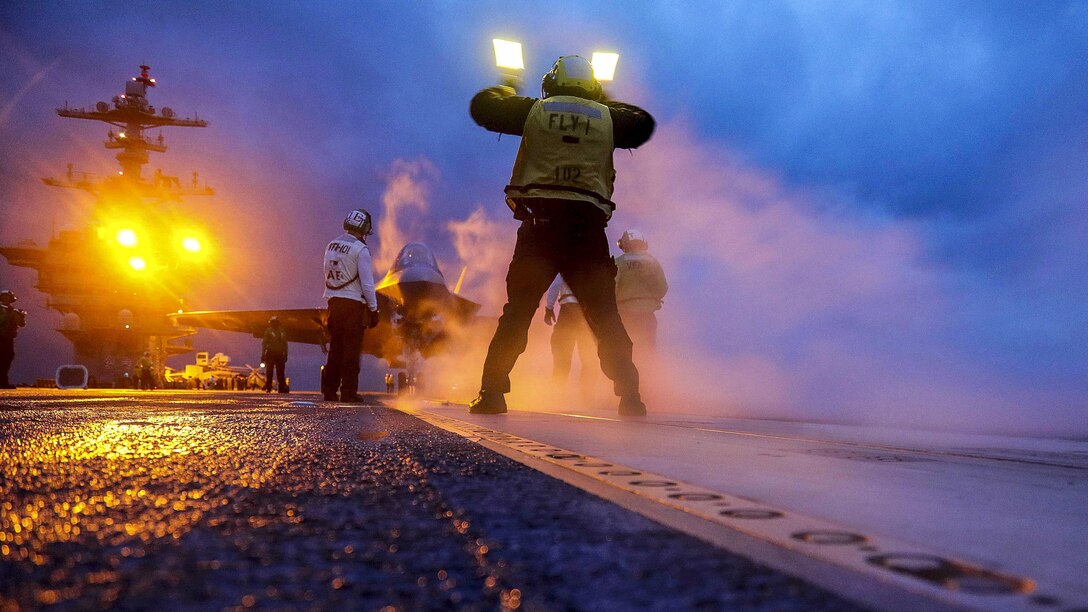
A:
[(873, 569)]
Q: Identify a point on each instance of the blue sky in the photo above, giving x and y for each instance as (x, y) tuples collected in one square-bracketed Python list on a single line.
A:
[(890, 196)]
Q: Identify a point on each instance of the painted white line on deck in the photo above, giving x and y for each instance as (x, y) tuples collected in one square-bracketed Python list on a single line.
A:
[(872, 569)]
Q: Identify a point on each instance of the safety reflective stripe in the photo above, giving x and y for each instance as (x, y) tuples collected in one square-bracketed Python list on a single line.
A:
[(513, 189), (573, 107)]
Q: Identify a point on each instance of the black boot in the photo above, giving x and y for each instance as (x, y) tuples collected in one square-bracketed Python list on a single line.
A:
[(632, 405), (489, 402)]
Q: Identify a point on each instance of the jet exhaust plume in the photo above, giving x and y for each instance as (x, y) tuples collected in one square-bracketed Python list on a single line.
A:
[(404, 207)]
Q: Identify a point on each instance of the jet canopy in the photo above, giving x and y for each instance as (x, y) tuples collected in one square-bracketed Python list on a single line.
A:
[(414, 255)]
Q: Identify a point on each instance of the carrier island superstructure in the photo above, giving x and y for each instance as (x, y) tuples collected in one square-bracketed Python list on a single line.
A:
[(116, 277)]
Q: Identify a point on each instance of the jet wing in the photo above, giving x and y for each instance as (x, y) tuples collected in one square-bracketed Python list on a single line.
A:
[(466, 309), (306, 325)]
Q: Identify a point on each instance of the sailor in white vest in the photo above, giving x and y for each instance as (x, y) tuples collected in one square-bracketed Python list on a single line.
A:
[(353, 306)]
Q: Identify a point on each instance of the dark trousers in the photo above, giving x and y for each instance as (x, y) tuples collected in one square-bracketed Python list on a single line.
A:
[(572, 330), (346, 325), (570, 241), (7, 355), (275, 364)]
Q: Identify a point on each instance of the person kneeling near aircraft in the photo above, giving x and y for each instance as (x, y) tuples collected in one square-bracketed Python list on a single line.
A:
[(353, 306)]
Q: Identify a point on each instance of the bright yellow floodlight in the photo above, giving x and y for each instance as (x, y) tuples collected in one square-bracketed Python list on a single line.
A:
[(137, 263), (604, 65), (190, 244), (508, 54), (126, 237)]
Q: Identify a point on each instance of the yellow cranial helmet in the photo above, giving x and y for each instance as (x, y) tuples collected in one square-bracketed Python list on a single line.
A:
[(571, 75)]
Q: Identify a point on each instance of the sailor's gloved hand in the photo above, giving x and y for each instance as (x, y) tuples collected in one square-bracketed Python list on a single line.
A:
[(512, 81), (372, 320), (549, 316)]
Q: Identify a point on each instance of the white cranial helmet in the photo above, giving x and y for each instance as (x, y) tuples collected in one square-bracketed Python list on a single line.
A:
[(632, 240)]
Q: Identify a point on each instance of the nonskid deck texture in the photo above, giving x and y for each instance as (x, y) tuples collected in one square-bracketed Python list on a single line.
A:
[(204, 501), (892, 517)]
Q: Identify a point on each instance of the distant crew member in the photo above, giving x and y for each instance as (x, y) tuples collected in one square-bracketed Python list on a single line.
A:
[(353, 306), (11, 319), (389, 382), (274, 355), (570, 330), (561, 190), (145, 372), (640, 287)]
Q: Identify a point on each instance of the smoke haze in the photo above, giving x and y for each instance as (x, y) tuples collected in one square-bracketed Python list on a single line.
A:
[(867, 212)]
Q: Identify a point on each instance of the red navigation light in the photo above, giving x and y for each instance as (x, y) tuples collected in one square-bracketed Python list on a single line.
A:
[(145, 76)]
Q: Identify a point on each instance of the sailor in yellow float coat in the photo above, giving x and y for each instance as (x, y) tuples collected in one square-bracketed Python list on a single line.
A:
[(640, 287), (561, 191)]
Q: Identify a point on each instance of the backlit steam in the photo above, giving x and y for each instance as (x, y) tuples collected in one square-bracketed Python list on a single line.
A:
[(485, 246), (404, 207), (780, 308)]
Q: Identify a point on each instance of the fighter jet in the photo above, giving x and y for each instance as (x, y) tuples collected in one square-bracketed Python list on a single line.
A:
[(418, 314)]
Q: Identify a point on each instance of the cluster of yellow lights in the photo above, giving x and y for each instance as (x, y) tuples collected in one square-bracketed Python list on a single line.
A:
[(127, 238), (508, 55)]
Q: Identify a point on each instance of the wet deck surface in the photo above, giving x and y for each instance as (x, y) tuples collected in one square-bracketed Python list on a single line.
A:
[(188, 500)]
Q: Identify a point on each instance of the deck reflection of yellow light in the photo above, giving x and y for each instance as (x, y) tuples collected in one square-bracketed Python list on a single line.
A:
[(137, 263), (604, 65), (190, 244), (126, 237), (508, 54)]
